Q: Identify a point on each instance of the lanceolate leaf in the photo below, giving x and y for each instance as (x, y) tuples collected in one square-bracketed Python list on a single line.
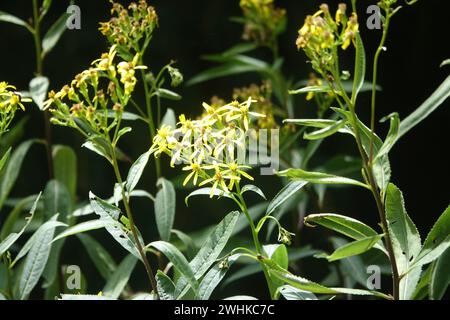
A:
[(111, 214), (65, 167), (12, 237), (405, 239), (84, 227), (437, 241), (391, 137), (54, 34), (210, 250), (360, 67), (213, 277), (119, 279), (255, 189), (165, 208), (325, 132), (7, 17), (354, 248), (4, 159), (178, 260), (440, 278), (11, 171), (35, 261), (425, 109), (347, 226), (307, 285), (318, 177), (136, 170)]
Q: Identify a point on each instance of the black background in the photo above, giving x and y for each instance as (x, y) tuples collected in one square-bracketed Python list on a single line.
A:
[(419, 41)]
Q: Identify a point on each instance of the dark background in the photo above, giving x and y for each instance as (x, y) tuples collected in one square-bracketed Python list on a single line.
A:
[(419, 41)]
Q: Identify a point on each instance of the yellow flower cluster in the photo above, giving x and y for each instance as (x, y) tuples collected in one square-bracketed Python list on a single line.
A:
[(209, 147), (10, 101), (90, 95), (263, 21), (131, 28), (321, 34)]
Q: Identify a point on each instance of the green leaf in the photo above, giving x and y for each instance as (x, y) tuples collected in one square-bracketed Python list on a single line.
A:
[(206, 191), (57, 200), (11, 172), (12, 237), (210, 250), (4, 159), (314, 123), (307, 285), (353, 267), (255, 212), (178, 260), (38, 90), (292, 293), (381, 168), (214, 276), (440, 278), (446, 62), (437, 241), (48, 226), (65, 167), (53, 35), (45, 7), (165, 286), (354, 248), (425, 109), (360, 67), (110, 213), (84, 227), (347, 226), (325, 132), (136, 170), (288, 191), (7, 17), (318, 177), (165, 208), (253, 188), (405, 240), (315, 89), (119, 279), (169, 118), (278, 253), (391, 136), (168, 94), (237, 64), (35, 261), (99, 256)]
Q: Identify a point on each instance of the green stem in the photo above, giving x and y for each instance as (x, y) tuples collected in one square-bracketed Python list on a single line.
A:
[(151, 123), (374, 83), (125, 199), (256, 242), (39, 71)]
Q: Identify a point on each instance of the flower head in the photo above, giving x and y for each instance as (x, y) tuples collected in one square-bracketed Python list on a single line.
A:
[(210, 147), (130, 28), (10, 101), (321, 34), (95, 94), (263, 21)]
